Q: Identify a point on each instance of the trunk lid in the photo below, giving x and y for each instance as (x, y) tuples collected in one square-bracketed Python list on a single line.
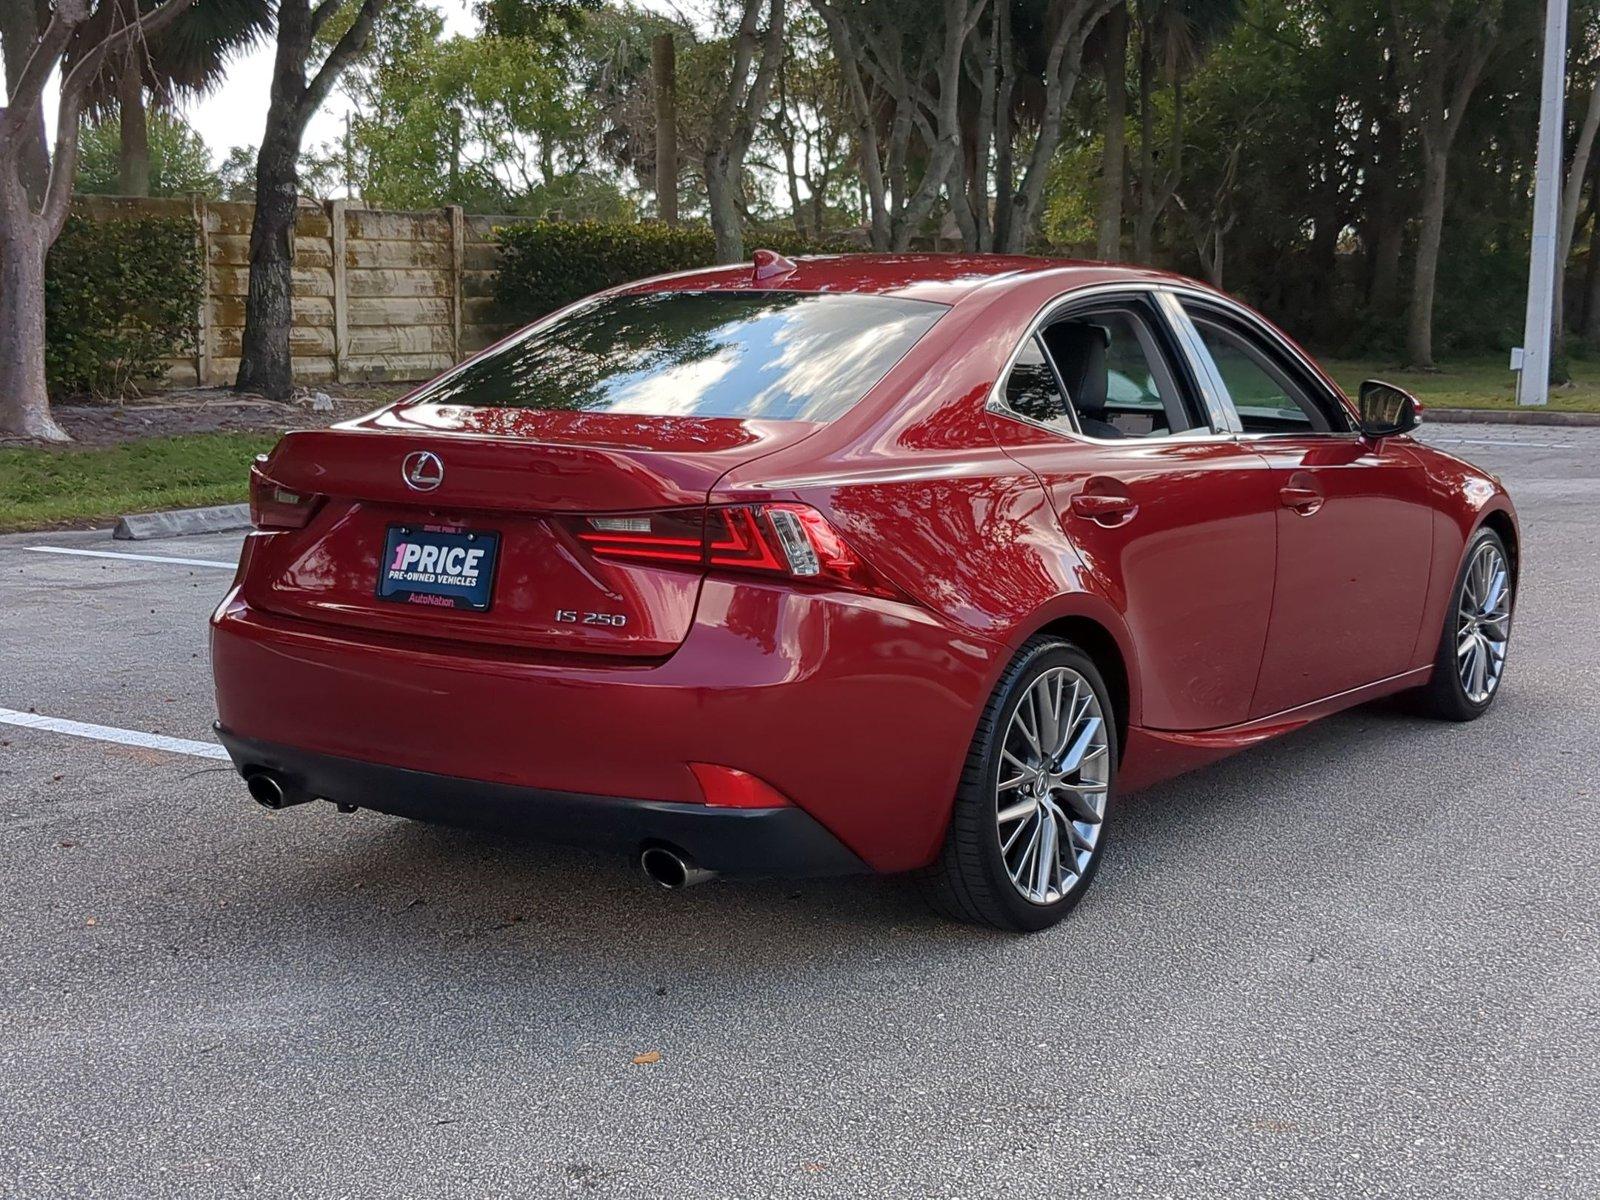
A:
[(523, 477)]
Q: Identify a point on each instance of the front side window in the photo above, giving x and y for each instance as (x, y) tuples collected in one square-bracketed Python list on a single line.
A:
[(1265, 397), (799, 356)]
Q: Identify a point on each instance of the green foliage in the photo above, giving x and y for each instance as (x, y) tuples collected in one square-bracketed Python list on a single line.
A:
[(41, 487), (180, 163), (236, 177), (1072, 193), (506, 121), (120, 297), (533, 18), (547, 264)]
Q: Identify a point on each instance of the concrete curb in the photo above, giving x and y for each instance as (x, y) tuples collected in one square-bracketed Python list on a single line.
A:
[(224, 518), (1501, 416)]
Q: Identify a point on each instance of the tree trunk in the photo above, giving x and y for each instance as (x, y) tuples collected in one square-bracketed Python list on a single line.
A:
[(1419, 334), (722, 196), (733, 125), (1571, 202), (134, 158), (1144, 226), (1384, 228), (1591, 298), (19, 30), (24, 402), (265, 364), (1063, 64), (664, 70), (1004, 134), (977, 154), (1108, 245), (785, 133), (797, 208)]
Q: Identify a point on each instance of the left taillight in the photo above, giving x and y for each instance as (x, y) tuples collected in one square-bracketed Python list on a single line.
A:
[(273, 506), (793, 541)]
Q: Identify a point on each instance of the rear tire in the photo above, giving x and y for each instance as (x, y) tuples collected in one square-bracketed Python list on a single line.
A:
[(1469, 664), (1047, 739)]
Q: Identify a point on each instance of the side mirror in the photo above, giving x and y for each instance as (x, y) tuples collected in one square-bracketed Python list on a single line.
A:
[(1387, 411)]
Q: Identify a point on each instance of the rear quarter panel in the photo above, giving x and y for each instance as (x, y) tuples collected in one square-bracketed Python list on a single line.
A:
[(915, 479)]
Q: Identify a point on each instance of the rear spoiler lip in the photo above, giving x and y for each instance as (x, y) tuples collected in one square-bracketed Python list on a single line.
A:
[(486, 473)]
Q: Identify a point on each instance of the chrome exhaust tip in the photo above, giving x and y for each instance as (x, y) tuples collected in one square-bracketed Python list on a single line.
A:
[(272, 791), (669, 869)]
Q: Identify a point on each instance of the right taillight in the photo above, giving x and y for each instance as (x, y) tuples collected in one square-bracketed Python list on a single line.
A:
[(794, 541), (273, 506)]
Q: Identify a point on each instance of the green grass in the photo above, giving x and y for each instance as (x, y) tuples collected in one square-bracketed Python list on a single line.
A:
[(1471, 383), (40, 488)]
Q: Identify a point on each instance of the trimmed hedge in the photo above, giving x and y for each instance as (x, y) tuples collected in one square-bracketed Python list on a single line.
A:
[(547, 264), (120, 298)]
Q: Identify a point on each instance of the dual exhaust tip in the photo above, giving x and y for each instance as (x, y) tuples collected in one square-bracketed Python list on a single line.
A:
[(662, 865), (667, 868), (274, 791)]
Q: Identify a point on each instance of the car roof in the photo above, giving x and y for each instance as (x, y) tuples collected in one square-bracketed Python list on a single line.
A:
[(943, 278)]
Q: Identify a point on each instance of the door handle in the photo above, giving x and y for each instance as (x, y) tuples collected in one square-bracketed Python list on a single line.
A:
[(1304, 500), (1103, 509)]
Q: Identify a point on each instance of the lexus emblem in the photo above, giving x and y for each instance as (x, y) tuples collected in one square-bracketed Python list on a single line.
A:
[(422, 471)]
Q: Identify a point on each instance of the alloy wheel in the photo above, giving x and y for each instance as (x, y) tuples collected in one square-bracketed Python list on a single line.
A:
[(1051, 785), (1483, 623)]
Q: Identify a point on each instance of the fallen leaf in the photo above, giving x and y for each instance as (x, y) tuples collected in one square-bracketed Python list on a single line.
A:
[(648, 1057)]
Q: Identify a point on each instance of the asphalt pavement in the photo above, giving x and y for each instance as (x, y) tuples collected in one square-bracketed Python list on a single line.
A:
[(1360, 961)]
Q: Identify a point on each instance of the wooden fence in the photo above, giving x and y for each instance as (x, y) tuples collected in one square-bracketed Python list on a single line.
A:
[(378, 294)]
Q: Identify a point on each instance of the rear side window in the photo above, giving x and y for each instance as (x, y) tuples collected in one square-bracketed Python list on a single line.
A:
[(1032, 389), (799, 356)]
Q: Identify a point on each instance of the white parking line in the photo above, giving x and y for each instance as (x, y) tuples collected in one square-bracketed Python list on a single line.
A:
[(107, 733), (155, 558)]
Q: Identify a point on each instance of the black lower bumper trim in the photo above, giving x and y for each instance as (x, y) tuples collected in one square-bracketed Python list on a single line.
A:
[(749, 843)]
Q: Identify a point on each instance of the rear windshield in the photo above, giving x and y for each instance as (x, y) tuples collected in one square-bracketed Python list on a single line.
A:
[(800, 356)]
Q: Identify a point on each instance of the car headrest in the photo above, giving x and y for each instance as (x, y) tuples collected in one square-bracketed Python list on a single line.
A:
[(1079, 350)]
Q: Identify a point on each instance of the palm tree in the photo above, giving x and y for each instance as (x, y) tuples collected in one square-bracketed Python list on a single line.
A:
[(188, 58)]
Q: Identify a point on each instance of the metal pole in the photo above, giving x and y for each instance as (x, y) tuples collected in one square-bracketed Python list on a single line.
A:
[(1533, 384)]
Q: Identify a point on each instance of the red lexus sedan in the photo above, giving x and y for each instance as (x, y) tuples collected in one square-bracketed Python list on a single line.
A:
[(869, 563)]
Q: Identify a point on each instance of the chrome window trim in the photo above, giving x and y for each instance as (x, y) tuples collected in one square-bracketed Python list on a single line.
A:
[(1213, 391), (1203, 373)]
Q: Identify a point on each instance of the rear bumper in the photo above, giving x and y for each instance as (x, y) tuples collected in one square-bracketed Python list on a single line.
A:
[(758, 842), (857, 710)]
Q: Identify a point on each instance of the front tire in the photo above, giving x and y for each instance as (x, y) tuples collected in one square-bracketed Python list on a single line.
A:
[(1027, 828), (1471, 659)]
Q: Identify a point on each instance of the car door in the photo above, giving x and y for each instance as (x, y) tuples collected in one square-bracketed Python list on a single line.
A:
[(1354, 543), (1170, 516)]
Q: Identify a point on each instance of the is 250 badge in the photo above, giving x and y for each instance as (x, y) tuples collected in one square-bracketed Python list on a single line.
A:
[(573, 616)]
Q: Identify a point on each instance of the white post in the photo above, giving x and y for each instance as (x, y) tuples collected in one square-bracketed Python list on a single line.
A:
[(1533, 384)]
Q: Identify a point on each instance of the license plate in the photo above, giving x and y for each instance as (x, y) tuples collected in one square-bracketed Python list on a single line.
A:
[(443, 568)]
